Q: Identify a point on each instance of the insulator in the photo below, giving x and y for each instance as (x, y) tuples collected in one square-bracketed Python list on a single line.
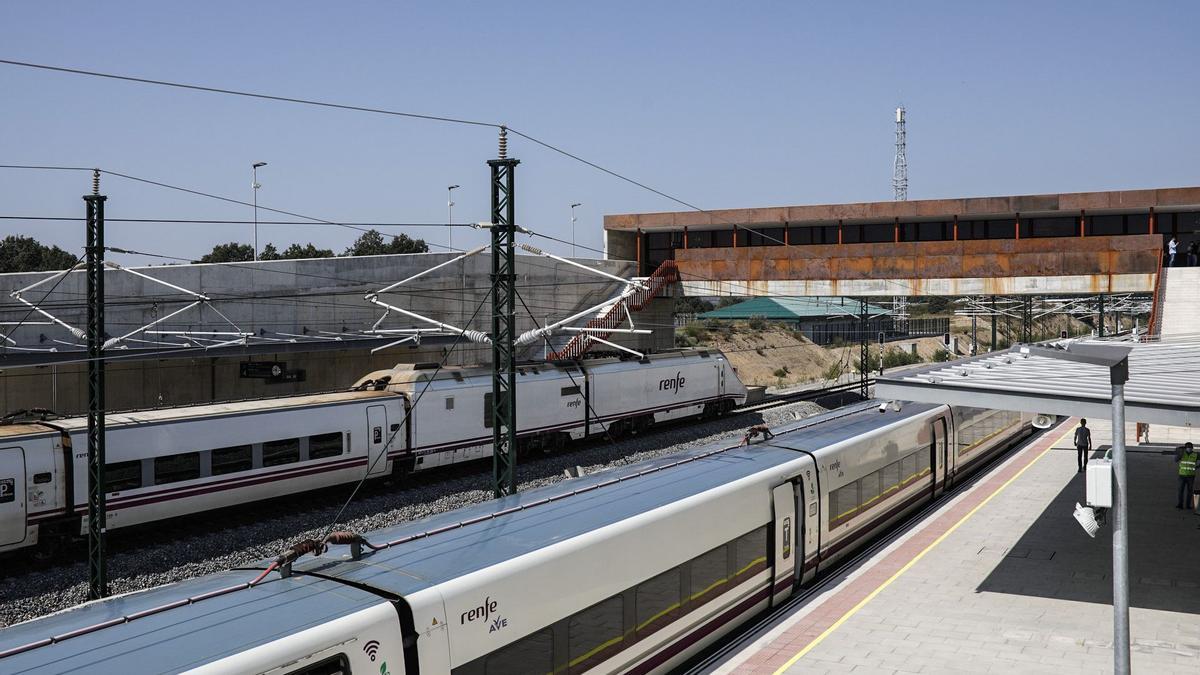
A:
[(503, 142), (95, 181)]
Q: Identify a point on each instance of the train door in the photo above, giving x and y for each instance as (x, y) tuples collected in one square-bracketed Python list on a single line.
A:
[(377, 439), (788, 548), (938, 456), (12, 496)]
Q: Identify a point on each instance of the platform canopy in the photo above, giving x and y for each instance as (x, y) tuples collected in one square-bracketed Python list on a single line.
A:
[(1163, 385)]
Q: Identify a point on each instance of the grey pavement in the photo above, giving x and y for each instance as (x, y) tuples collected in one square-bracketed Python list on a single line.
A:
[(1020, 587)]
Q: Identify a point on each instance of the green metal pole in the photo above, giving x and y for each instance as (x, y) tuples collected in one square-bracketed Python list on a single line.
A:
[(96, 508), (504, 363)]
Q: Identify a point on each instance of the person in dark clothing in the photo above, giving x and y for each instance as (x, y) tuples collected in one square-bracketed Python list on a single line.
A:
[(1083, 444), (1186, 457), (1191, 254)]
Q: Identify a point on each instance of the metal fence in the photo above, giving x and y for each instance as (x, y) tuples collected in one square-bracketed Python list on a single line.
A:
[(850, 330)]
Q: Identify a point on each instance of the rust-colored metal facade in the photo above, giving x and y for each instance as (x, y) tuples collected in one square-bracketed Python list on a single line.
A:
[(1090, 237), (1028, 206), (985, 258)]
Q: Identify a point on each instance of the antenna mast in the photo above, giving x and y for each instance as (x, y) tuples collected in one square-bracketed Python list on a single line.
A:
[(900, 165), (900, 189)]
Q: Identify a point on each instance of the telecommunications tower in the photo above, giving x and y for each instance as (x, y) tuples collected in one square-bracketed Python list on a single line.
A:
[(900, 190), (900, 165)]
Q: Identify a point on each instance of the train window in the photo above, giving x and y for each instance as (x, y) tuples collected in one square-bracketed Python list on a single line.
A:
[(908, 468), (325, 445), (843, 502), (709, 574), (868, 489), (531, 654), (487, 410), (334, 665), (449, 403), (232, 460), (570, 391), (657, 602), (889, 478), (281, 452), (751, 554), (174, 468), (594, 634), (123, 475)]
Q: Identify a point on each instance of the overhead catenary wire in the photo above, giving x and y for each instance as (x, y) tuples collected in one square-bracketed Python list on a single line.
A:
[(34, 307), (365, 109), (200, 193), (204, 221), (405, 420), (247, 94)]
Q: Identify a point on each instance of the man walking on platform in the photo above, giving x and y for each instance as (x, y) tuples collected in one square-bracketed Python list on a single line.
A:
[(1083, 444), (1186, 457)]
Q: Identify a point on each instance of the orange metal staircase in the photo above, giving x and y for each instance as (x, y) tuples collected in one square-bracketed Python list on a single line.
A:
[(666, 274)]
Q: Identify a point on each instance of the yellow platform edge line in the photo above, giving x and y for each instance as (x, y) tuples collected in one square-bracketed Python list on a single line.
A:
[(871, 596)]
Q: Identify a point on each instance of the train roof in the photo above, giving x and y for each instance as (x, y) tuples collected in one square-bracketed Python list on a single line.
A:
[(152, 415), (24, 429), (167, 641), (423, 554), (409, 373), (450, 545)]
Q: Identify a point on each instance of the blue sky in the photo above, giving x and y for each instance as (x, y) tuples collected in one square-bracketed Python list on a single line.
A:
[(722, 104)]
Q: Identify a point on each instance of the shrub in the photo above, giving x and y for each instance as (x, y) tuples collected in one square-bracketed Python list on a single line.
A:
[(942, 355), (757, 323), (782, 372), (894, 358), (695, 331), (834, 371)]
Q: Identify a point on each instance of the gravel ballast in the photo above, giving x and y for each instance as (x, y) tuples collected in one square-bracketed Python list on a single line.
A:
[(208, 549)]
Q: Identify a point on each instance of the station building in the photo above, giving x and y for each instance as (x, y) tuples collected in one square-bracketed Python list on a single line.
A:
[(1095, 234)]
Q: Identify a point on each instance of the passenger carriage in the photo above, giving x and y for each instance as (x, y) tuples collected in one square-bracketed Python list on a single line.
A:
[(170, 462), (631, 570)]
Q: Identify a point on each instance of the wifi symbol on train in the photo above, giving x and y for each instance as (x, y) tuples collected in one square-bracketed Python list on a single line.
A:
[(371, 648)]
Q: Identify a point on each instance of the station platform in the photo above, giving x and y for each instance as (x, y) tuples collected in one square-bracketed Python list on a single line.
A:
[(1002, 578)]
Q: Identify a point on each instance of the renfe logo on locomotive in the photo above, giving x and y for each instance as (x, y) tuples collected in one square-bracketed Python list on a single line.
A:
[(483, 611), (672, 384)]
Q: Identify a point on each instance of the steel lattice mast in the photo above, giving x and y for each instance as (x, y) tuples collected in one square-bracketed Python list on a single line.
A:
[(900, 191), (504, 333), (900, 164), (97, 510)]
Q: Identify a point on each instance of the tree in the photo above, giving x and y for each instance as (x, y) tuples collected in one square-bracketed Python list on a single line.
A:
[(689, 304), (372, 243), (26, 254), (939, 305), (269, 252), (231, 252), (294, 252), (729, 301)]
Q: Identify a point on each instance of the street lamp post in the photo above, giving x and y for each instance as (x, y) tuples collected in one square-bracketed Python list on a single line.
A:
[(573, 227), (450, 217), (254, 184)]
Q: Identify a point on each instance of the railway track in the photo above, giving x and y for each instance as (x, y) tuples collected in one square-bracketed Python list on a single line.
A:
[(180, 529), (776, 400)]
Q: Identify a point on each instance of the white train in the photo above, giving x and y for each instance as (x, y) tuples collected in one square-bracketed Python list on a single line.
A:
[(169, 462), (631, 570)]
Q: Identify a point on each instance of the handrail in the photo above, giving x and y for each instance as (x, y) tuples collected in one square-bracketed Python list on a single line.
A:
[(667, 273), (1155, 308)]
